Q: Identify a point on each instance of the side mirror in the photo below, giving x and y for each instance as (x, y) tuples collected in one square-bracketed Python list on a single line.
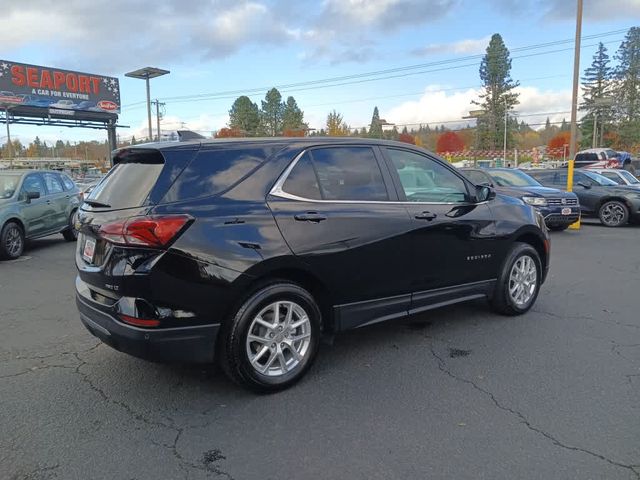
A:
[(584, 185), (32, 195), (484, 193)]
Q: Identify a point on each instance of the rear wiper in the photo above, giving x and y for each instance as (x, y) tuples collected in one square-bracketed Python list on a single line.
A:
[(93, 203)]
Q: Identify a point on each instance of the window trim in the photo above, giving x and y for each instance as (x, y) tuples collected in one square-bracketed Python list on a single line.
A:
[(43, 184), (277, 190)]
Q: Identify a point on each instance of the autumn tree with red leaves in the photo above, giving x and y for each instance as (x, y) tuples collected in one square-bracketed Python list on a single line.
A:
[(228, 133), (406, 138), (556, 144), (449, 142)]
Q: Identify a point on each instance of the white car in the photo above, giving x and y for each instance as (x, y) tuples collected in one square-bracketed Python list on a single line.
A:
[(63, 104), (621, 177)]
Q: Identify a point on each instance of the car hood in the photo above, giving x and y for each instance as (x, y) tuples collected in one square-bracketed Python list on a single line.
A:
[(533, 191)]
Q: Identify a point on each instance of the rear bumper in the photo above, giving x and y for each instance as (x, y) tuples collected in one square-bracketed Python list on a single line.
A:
[(191, 344)]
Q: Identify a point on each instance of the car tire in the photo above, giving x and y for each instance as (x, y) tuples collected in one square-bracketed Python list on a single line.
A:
[(70, 234), (613, 213), (557, 228), (11, 241), (265, 354), (519, 281)]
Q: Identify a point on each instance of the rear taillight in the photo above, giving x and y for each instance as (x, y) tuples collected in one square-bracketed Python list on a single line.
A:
[(152, 231), (140, 322)]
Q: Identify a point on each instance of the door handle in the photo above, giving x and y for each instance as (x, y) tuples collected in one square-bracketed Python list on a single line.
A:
[(426, 216), (310, 217)]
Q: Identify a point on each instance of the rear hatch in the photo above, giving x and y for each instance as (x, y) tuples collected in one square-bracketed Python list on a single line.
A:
[(114, 217)]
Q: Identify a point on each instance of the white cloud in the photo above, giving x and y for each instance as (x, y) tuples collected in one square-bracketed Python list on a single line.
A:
[(468, 46), (594, 10), (437, 106)]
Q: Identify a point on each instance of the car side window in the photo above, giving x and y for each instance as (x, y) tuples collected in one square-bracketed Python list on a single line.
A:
[(426, 180), (67, 182), (341, 173), (53, 183), (612, 176), (302, 180), (561, 178), (478, 177), (32, 183), (581, 177)]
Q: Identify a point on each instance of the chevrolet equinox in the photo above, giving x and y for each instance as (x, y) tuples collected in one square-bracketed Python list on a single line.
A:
[(246, 251)]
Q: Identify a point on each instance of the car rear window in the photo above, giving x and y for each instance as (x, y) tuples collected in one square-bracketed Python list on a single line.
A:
[(213, 171), (130, 181)]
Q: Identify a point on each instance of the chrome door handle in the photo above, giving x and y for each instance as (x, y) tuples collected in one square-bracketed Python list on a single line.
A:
[(426, 216)]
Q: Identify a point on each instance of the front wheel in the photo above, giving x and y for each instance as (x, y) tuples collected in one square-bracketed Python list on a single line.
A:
[(273, 338), (11, 241), (519, 281), (613, 213)]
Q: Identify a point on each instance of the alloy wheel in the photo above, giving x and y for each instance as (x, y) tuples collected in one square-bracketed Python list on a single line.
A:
[(278, 338), (523, 280), (13, 242), (612, 214)]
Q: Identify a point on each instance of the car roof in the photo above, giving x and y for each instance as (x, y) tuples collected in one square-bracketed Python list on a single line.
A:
[(26, 171), (302, 141)]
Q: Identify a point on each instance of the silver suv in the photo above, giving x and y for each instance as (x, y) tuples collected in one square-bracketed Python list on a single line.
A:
[(33, 204)]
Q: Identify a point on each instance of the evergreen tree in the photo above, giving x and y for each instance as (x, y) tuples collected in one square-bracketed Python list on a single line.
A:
[(272, 112), (363, 132), (375, 129), (627, 88), (596, 87), (405, 131), (244, 116), (393, 134), (292, 116), (498, 96)]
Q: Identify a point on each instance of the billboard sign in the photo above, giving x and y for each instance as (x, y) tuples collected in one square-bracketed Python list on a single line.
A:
[(57, 92)]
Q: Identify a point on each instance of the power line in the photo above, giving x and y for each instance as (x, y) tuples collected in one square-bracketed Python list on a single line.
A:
[(363, 77)]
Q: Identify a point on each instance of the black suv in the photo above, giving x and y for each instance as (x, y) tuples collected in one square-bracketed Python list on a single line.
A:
[(247, 250), (615, 205)]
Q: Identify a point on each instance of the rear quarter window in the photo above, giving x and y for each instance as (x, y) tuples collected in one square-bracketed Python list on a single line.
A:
[(213, 171)]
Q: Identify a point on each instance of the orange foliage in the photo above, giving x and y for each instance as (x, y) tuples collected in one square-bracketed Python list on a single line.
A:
[(293, 132), (228, 133), (449, 142), (406, 138), (557, 144)]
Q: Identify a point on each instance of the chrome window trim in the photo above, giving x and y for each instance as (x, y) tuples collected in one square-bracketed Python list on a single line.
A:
[(277, 191)]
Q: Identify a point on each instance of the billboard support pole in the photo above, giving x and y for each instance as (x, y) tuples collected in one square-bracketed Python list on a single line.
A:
[(9, 145), (111, 135)]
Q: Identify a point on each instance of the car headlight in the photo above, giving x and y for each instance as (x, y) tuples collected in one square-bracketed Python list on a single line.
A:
[(535, 201)]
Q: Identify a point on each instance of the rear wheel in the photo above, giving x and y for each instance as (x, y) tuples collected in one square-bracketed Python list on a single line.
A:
[(11, 241), (519, 281), (71, 234), (613, 213), (273, 338)]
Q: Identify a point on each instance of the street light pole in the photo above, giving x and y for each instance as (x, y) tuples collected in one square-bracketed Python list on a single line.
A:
[(595, 129), (147, 74), (504, 154), (9, 145), (149, 108)]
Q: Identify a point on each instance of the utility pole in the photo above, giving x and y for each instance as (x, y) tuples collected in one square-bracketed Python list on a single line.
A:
[(595, 130), (576, 77), (159, 115), (504, 154)]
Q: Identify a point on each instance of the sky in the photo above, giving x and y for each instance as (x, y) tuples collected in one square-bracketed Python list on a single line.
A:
[(247, 46)]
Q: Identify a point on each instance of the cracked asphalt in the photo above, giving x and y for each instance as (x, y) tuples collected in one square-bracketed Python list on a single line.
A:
[(457, 393)]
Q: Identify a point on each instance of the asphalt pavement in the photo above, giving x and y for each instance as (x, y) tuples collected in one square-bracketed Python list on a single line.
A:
[(458, 393)]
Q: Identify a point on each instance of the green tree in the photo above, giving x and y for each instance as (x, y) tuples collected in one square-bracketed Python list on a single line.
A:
[(392, 134), (498, 96), (336, 126), (272, 112), (292, 116), (596, 87), (244, 116), (627, 88), (375, 129)]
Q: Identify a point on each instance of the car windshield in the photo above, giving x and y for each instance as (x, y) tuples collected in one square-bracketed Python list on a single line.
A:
[(512, 178), (8, 185), (629, 177), (599, 179)]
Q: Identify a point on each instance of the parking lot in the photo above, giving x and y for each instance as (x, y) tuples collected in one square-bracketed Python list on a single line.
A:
[(458, 393)]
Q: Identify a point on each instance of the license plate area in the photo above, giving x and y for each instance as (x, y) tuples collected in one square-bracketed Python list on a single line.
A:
[(566, 211), (89, 249)]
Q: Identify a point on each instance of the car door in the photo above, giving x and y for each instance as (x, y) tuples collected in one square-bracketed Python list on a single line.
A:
[(452, 236), (338, 212), (58, 200), (588, 192), (35, 212)]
